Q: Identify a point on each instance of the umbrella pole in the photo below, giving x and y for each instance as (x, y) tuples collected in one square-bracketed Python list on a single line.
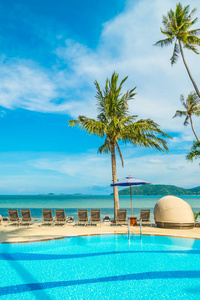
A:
[(131, 201)]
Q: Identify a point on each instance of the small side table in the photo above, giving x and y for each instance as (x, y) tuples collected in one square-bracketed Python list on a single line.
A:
[(133, 221)]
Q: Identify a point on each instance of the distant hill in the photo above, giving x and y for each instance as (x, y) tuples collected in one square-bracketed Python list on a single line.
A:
[(159, 189)]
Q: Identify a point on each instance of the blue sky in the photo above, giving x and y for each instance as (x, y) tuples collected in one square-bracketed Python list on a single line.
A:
[(51, 54)]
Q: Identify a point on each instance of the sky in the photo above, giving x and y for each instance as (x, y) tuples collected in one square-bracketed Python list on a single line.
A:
[(51, 54)]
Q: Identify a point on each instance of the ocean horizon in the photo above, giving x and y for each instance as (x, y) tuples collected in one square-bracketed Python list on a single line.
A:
[(73, 202)]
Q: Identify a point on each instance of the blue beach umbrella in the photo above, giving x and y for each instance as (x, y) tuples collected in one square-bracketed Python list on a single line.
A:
[(129, 181)]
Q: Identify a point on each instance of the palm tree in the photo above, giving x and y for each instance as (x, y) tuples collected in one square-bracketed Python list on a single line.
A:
[(177, 28), (194, 152), (114, 124), (192, 107)]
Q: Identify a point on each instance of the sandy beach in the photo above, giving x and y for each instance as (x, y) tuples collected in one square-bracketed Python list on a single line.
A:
[(35, 232)]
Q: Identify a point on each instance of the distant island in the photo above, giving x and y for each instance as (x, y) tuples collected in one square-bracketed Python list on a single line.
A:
[(159, 189)]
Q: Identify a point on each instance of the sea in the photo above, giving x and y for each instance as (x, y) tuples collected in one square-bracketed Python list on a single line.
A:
[(73, 202)]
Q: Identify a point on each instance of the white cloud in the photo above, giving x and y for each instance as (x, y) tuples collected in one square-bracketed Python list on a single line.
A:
[(89, 169), (75, 173), (125, 45), (26, 86), (92, 169)]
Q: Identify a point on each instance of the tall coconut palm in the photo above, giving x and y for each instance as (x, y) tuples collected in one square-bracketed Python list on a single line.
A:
[(192, 107), (194, 152), (114, 124), (177, 28)]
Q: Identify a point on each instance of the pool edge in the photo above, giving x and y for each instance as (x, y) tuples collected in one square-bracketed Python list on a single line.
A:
[(95, 234)]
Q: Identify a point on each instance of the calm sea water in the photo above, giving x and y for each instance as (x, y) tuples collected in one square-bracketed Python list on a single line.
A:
[(73, 202)]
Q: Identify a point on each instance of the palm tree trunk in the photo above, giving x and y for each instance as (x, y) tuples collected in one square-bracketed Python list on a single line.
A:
[(190, 75), (114, 177), (193, 129)]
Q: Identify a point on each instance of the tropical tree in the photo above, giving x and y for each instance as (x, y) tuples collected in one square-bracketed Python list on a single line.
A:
[(194, 152), (192, 107), (177, 28), (114, 124)]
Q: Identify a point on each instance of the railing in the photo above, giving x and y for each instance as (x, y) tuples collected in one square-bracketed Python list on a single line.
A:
[(128, 233), (128, 226)]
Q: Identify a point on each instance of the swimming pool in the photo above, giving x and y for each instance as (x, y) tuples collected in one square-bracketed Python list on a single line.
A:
[(101, 267)]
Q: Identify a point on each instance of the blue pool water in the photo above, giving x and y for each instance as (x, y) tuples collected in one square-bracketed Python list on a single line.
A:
[(101, 267)]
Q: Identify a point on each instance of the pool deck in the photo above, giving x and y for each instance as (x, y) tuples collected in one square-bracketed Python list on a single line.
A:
[(11, 233)]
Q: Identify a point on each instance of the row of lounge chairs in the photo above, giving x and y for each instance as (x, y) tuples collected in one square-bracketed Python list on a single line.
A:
[(121, 217), (60, 217), (47, 214)]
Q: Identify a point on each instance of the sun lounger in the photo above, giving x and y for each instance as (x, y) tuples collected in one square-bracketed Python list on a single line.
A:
[(106, 219), (95, 216), (145, 216), (60, 217), (1, 219), (121, 217), (47, 216), (83, 216), (14, 216), (26, 216)]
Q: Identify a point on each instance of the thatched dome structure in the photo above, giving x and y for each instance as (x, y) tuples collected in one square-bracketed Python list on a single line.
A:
[(173, 212)]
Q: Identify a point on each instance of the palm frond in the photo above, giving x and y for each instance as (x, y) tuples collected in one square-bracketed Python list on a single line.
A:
[(179, 113), (195, 32), (191, 47), (175, 54), (73, 123), (165, 42), (145, 133), (120, 154), (105, 148), (194, 10), (194, 151), (91, 125), (186, 122)]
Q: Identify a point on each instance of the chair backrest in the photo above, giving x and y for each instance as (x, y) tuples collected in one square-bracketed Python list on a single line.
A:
[(82, 215), (47, 215), (145, 214), (13, 215), (60, 215), (121, 215), (95, 215), (25, 214)]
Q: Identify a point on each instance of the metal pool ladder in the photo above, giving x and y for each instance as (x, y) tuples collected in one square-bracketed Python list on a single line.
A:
[(140, 228), (129, 227)]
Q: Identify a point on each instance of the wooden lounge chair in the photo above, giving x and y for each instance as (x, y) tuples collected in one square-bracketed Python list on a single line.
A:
[(145, 216), (95, 216), (14, 216), (60, 217), (1, 219), (26, 216), (121, 217), (47, 216), (83, 216)]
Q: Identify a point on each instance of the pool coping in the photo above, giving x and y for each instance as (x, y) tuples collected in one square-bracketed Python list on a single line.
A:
[(96, 234)]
